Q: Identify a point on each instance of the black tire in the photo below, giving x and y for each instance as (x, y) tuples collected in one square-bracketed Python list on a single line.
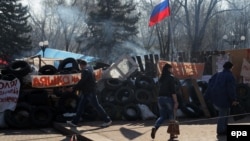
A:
[(191, 91), (20, 117), (191, 110), (112, 110), (107, 96), (242, 91), (143, 96), (37, 97), (63, 65), (203, 85), (68, 71), (213, 112), (131, 112), (48, 70), (8, 77), (20, 68), (90, 114), (246, 105), (62, 119), (144, 82), (177, 84), (154, 108), (113, 83), (67, 103), (41, 116), (180, 99), (128, 83), (6, 70), (124, 95)]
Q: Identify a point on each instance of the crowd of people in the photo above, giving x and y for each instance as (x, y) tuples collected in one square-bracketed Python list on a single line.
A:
[(221, 92)]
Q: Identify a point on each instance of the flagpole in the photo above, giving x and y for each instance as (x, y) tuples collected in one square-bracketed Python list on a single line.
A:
[(171, 37), (160, 12)]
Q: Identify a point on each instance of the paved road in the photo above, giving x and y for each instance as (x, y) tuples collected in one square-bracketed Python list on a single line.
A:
[(191, 130), (44, 134)]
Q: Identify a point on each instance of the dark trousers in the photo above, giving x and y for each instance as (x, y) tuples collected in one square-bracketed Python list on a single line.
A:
[(92, 99), (223, 119)]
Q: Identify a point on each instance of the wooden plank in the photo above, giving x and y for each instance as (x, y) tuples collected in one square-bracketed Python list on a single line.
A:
[(140, 63), (147, 63), (201, 98), (151, 58), (185, 94), (146, 58), (150, 67), (133, 58), (157, 58)]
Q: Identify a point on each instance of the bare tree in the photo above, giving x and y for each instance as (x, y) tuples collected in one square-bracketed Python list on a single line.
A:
[(60, 22), (197, 15), (193, 26)]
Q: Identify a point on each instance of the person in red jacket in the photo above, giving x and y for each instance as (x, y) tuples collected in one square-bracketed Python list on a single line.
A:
[(87, 87)]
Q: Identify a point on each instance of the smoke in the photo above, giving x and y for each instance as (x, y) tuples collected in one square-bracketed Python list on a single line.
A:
[(70, 15), (108, 31), (136, 49), (128, 48)]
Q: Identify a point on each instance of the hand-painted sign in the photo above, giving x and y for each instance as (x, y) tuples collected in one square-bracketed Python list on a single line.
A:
[(245, 69), (184, 70), (9, 93), (44, 81)]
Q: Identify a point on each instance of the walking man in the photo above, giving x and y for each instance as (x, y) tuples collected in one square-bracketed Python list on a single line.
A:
[(221, 92), (87, 87)]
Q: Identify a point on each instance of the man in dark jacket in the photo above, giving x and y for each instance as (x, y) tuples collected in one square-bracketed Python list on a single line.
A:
[(87, 87), (221, 92)]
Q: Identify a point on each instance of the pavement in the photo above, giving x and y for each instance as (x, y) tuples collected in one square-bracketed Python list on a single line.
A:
[(42, 134), (190, 130)]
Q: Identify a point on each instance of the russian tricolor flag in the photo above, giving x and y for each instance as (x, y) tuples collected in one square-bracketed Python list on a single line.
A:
[(160, 11)]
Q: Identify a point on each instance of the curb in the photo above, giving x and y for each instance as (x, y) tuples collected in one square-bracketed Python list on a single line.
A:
[(70, 131)]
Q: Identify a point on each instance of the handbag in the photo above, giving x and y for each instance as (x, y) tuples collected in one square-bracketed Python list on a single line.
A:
[(173, 127)]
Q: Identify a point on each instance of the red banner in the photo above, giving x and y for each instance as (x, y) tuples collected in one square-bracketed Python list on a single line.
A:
[(184, 70), (46, 81), (43, 81)]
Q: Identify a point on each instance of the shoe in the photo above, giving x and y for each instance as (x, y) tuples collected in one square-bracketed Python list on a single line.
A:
[(173, 136), (71, 124), (106, 124), (153, 131)]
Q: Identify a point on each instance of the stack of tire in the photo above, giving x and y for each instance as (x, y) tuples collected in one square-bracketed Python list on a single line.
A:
[(67, 102), (192, 108), (32, 110), (34, 107), (120, 97), (25, 114), (17, 69)]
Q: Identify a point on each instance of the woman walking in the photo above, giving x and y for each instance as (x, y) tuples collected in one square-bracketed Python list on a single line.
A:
[(167, 99)]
